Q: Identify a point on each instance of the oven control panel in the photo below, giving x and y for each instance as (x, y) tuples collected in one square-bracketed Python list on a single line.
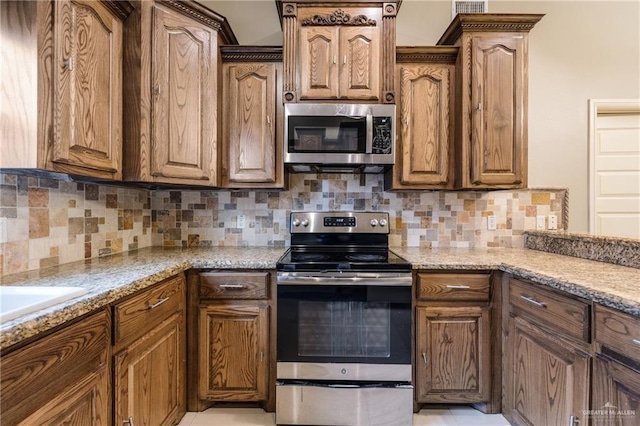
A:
[(340, 222)]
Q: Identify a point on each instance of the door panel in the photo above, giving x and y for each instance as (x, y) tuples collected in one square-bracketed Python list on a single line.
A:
[(318, 62), (360, 63)]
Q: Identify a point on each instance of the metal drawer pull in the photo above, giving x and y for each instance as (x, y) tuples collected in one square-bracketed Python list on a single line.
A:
[(636, 341), (458, 287), (158, 303), (534, 301), (232, 286), (128, 422), (424, 357), (573, 421)]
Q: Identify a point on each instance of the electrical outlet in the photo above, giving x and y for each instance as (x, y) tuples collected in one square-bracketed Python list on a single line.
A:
[(241, 221), (553, 221), (491, 223), (540, 222)]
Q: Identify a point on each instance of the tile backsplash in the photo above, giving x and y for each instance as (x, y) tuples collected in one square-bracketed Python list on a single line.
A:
[(53, 221)]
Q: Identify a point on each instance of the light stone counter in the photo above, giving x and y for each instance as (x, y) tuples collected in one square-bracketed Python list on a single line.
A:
[(611, 285), (111, 278)]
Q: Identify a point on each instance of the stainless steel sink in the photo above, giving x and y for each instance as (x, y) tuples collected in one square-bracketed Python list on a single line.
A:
[(16, 301)]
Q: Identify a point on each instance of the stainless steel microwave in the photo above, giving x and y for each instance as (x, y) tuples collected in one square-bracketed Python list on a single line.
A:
[(341, 138)]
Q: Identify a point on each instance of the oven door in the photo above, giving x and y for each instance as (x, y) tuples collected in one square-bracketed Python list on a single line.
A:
[(363, 321)]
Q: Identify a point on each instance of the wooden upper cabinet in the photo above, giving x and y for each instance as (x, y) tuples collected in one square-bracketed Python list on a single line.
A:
[(491, 132), (319, 50), (171, 64), (424, 149), (251, 119), (63, 74), (344, 52)]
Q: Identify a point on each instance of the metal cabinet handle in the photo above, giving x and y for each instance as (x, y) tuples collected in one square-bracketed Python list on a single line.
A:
[(335, 59), (68, 64), (157, 90), (232, 286), (574, 421), (458, 287), (344, 61), (636, 341), (534, 301), (128, 422), (268, 119), (261, 356), (424, 357), (158, 303), (479, 107)]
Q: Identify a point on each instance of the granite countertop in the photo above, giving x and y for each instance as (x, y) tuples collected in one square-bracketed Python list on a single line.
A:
[(611, 285), (112, 278), (108, 279)]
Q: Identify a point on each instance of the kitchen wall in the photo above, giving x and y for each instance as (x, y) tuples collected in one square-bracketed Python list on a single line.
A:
[(580, 50), (50, 221)]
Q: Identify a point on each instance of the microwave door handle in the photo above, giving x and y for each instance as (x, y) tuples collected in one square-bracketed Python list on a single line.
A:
[(369, 139)]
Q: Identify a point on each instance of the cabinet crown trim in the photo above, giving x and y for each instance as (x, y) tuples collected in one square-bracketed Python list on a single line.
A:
[(340, 17), (206, 16), (464, 22)]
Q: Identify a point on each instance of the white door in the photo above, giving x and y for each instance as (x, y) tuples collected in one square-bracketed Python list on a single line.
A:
[(615, 168)]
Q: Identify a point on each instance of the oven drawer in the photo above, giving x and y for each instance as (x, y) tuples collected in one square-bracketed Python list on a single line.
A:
[(562, 313), (234, 285), (453, 287), (312, 404)]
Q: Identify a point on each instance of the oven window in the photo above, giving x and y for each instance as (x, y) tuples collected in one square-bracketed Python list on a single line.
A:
[(344, 329)]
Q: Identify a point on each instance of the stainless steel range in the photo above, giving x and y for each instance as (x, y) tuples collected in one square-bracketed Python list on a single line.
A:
[(344, 324)]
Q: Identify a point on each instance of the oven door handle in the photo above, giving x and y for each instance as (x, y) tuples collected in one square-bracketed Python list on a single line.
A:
[(373, 280)]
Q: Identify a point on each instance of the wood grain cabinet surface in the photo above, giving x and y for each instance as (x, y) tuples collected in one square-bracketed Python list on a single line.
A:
[(252, 116), (62, 378), (232, 340), (453, 338), (63, 75), (149, 361), (341, 52), (171, 63), (547, 360), (492, 79), (616, 368), (424, 118)]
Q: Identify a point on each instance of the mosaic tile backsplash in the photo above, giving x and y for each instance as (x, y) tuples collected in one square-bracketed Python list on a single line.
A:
[(52, 221)]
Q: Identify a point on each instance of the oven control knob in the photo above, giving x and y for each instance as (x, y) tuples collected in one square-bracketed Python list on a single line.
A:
[(305, 222), (296, 222), (374, 222), (383, 222)]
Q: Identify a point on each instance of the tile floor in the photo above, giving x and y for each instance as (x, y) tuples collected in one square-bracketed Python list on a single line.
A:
[(442, 416)]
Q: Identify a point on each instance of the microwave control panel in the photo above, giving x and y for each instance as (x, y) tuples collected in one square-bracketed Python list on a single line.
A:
[(382, 133)]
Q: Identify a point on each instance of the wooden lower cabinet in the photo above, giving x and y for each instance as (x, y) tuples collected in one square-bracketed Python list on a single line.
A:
[(149, 377), (234, 352), (615, 393), (452, 360), (547, 379), (149, 360), (60, 379)]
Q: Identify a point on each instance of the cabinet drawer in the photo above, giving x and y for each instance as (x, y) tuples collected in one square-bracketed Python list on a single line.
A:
[(453, 287), (234, 285), (562, 313), (618, 331), (137, 315)]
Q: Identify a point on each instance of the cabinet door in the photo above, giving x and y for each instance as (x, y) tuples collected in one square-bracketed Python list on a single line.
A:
[(616, 393), (184, 98), (149, 376), (425, 133), (319, 62), (498, 103), (250, 121), (360, 63), (87, 74), (233, 348), (547, 379), (452, 360), (84, 404)]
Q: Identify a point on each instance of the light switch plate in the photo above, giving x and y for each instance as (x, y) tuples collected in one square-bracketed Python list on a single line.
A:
[(540, 225), (241, 221), (491, 223)]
